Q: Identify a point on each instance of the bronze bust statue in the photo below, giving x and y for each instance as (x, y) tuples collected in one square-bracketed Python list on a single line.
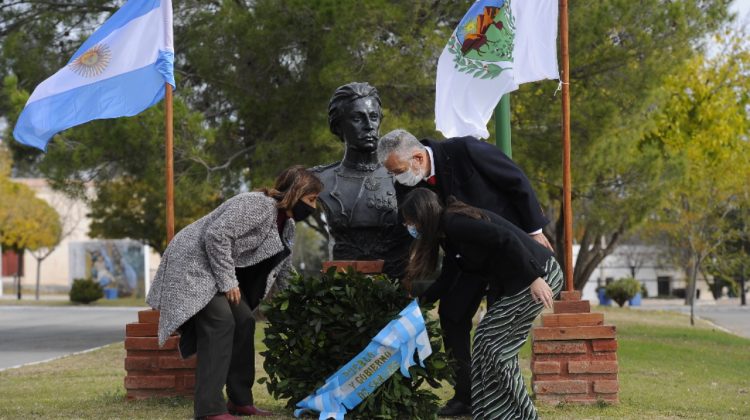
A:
[(359, 200)]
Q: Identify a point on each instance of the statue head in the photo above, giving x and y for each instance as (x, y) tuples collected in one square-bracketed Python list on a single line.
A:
[(354, 116)]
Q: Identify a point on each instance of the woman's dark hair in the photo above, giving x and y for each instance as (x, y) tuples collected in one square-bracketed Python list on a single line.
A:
[(459, 207), (423, 208), (291, 185)]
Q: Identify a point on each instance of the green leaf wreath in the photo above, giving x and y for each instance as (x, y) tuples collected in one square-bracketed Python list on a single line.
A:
[(320, 323)]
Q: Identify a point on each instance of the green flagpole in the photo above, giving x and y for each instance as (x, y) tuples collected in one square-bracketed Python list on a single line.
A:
[(502, 125)]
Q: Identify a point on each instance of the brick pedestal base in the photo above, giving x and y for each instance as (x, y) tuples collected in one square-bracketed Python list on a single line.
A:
[(365, 267), (151, 371), (574, 358)]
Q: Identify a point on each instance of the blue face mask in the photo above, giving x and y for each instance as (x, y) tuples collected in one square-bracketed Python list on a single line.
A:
[(413, 231)]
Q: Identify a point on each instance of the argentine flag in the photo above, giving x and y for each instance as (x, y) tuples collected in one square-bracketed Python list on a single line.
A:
[(118, 72)]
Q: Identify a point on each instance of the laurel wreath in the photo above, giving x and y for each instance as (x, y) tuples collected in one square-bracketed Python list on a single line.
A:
[(472, 67)]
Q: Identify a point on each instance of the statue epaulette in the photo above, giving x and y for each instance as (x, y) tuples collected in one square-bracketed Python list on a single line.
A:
[(321, 168)]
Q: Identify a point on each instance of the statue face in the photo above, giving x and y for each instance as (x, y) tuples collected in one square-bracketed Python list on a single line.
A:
[(360, 124)]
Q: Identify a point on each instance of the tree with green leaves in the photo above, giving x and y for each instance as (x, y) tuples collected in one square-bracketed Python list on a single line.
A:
[(730, 264), (309, 250), (254, 79), (702, 130), (123, 160), (257, 76), (26, 222), (69, 219), (620, 54)]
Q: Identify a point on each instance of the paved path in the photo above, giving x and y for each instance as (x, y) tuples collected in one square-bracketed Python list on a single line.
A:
[(733, 317), (36, 333)]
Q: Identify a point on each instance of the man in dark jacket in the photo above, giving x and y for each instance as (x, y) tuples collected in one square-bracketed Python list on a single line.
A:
[(480, 175)]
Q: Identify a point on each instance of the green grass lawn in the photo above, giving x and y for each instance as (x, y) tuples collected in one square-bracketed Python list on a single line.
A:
[(667, 370)]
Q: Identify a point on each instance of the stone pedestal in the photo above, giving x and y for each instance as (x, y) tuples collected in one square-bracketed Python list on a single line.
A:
[(151, 371), (574, 355)]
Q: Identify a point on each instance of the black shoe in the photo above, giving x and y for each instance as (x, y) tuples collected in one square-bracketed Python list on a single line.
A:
[(455, 408)]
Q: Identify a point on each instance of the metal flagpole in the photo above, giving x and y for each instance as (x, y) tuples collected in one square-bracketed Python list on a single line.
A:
[(502, 125), (567, 185), (169, 161)]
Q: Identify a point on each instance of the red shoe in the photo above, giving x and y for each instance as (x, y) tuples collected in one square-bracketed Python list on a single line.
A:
[(247, 410), (225, 416)]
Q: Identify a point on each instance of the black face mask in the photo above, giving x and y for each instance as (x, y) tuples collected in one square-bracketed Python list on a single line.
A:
[(301, 210)]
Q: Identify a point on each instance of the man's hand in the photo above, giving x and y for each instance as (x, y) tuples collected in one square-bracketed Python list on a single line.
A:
[(539, 237), (233, 296), (541, 292)]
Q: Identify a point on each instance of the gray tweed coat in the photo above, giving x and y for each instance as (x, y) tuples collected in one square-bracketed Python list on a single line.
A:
[(200, 260)]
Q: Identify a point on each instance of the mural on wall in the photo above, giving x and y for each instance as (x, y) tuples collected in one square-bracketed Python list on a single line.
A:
[(114, 264)]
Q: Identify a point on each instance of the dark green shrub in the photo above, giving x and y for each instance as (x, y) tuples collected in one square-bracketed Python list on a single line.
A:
[(721, 281), (623, 290), (85, 291), (320, 323)]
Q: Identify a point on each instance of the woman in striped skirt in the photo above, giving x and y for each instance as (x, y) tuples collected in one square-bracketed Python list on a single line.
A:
[(523, 278)]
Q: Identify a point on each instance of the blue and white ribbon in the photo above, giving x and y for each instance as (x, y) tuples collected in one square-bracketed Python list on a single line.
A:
[(391, 349)]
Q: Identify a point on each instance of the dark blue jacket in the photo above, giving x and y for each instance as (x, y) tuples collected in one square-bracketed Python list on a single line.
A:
[(495, 251), (481, 175)]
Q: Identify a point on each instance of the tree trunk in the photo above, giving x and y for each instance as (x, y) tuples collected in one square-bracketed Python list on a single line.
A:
[(591, 253), (19, 255), (38, 275), (743, 298), (693, 279), (320, 227), (688, 278)]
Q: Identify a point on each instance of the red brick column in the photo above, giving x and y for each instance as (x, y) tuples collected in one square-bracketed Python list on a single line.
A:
[(365, 267), (151, 371), (574, 355)]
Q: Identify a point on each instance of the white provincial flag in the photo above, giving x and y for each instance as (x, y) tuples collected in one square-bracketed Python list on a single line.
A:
[(498, 45)]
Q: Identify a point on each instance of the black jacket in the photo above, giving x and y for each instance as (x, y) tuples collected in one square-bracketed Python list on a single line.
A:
[(481, 175), (495, 251)]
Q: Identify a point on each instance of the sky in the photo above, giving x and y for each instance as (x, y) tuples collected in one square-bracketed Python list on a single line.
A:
[(742, 7)]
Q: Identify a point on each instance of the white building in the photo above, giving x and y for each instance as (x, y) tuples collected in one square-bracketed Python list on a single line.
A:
[(645, 264)]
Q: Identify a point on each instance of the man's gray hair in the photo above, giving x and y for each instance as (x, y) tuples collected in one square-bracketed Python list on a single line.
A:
[(398, 141)]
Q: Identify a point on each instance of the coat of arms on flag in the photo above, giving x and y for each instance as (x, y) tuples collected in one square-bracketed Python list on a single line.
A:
[(483, 38), (92, 62), (497, 45)]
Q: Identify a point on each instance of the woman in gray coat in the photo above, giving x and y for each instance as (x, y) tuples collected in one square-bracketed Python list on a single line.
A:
[(213, 275)]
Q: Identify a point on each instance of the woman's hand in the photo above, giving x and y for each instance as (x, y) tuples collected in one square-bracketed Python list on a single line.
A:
[(233, 296), (541, 292), (539, 237)]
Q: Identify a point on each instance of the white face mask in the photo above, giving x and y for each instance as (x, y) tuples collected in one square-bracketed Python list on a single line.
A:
[(408, 177)]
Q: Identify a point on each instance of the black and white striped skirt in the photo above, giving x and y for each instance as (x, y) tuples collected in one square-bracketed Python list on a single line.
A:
[(497, 387)]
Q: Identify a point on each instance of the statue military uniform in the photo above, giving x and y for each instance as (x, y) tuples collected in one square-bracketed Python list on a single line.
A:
[(362, 216)]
